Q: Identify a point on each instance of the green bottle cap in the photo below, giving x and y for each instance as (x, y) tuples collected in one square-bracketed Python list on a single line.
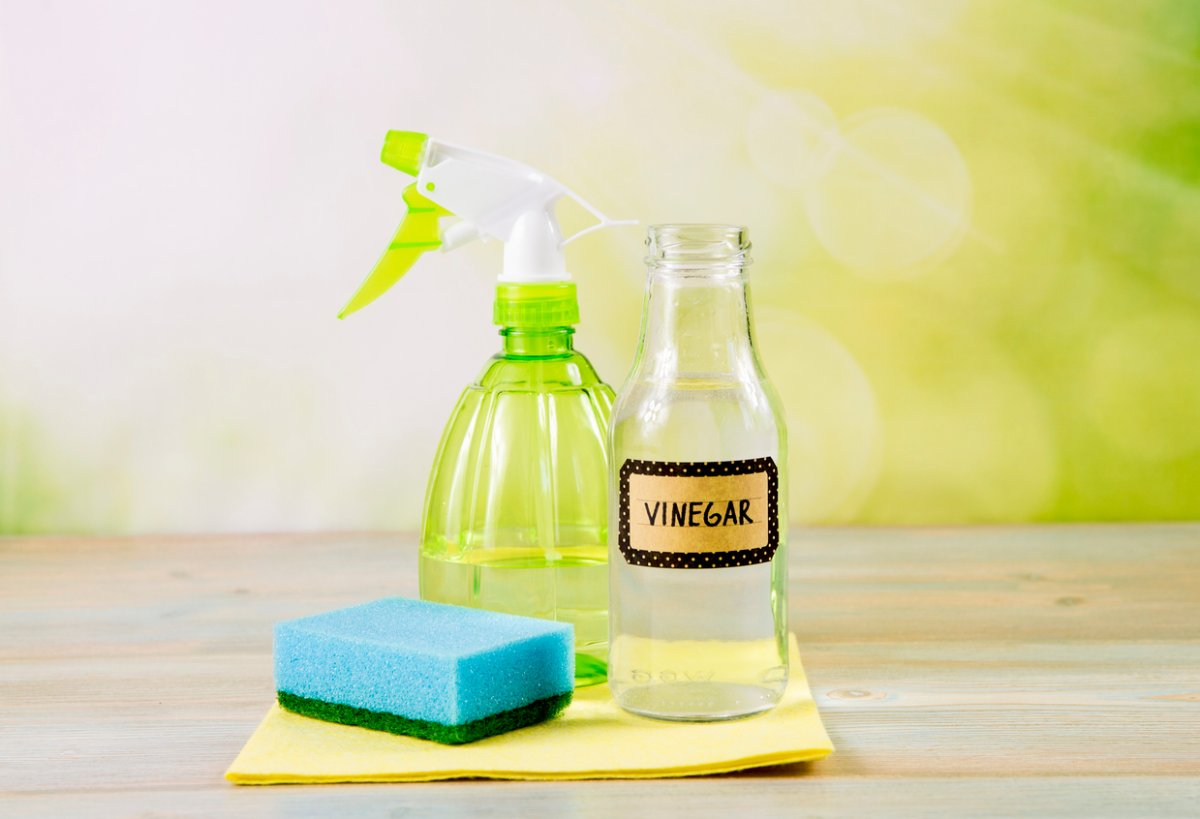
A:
[(552, 304)]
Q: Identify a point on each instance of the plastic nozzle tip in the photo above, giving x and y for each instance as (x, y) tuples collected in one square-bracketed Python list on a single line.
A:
[(403, 150)]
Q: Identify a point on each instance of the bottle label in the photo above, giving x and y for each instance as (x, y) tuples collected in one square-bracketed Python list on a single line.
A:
[(698, 514)]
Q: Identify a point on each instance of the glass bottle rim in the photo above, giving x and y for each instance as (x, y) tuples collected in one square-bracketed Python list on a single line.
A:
[(693, 246)]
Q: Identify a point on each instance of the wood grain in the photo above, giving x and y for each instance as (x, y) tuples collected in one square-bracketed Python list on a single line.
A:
[(987, 672)]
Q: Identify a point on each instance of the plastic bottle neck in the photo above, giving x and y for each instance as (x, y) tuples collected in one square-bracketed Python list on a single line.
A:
[(540, 342)]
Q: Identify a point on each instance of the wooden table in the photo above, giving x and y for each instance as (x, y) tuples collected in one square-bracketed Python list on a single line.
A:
[(999, 671)]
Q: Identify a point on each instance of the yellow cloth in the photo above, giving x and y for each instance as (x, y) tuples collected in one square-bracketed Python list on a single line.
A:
[(592, 739)]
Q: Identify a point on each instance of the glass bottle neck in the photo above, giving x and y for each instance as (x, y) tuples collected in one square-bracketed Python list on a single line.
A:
[(543, 342), (696, 325)]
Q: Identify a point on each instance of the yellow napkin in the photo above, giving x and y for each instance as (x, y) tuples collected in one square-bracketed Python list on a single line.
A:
[(592, 739)]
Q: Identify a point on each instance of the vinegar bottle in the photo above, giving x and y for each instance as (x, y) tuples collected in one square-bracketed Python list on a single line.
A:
[(698, 527)]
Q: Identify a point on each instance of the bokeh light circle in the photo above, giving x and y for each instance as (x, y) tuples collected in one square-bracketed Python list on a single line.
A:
[(896, 197), (791, 137), (1143, 386), (834, 439), (969, 436)]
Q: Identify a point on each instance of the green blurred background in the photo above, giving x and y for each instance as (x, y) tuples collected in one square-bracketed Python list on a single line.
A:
[(976, 227)]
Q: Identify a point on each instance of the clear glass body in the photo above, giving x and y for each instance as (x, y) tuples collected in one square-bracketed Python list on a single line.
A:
[(697, 644), (516, 510)]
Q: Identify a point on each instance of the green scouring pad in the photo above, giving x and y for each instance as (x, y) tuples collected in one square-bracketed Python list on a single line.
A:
[(445, 673)]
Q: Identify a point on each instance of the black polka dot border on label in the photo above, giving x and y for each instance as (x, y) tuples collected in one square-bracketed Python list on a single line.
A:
[(703, 469)]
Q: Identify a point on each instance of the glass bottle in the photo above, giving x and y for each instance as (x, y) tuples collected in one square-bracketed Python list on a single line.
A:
[(697, 526), (517, 507)]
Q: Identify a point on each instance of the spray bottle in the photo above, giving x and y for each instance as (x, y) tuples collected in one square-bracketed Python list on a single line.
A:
[(517, 502)]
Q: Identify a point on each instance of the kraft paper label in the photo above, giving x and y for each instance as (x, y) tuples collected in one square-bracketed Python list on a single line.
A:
[(698, 514)]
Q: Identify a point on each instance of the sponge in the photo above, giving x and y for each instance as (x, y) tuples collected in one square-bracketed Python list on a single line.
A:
[(446, 673)]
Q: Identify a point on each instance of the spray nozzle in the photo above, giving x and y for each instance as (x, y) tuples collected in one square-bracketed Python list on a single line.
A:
[(491, 196)]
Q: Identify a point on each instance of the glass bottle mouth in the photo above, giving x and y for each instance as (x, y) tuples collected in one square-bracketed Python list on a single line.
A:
[(692, 246)]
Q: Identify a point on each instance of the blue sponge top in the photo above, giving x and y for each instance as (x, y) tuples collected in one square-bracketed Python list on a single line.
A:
[(423, 660)]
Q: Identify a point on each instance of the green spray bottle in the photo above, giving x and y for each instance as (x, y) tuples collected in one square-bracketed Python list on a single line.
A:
[(516, 511)]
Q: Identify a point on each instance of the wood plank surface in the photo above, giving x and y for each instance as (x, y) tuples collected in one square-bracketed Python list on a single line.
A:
[(1050, 670)]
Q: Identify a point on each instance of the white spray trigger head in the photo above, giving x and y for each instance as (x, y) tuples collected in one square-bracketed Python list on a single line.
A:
[(500, 198)]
